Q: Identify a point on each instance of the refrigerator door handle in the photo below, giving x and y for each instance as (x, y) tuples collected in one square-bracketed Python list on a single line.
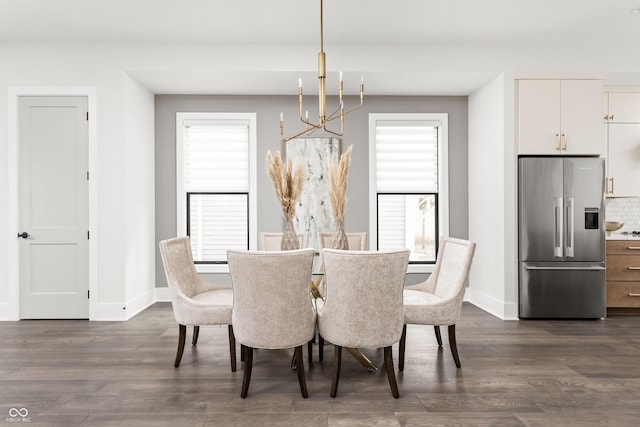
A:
[(594, 268), (558, 228), (570, 228)]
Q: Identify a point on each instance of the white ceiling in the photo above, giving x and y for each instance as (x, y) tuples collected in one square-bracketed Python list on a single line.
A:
[(373, 23)]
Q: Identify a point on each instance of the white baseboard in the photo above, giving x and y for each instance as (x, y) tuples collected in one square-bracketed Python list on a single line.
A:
[(7, 312), (501, 309), (139, 303)]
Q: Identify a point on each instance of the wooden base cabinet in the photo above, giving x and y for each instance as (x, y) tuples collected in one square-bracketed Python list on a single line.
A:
[(623, 276)]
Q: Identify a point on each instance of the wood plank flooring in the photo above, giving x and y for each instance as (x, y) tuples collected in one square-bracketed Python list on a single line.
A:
[(514, 373)]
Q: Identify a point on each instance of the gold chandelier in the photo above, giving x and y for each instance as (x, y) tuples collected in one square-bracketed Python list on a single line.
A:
[(323, 119)]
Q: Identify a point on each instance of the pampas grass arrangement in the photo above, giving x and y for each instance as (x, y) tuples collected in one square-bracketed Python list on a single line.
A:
[(287, 181), (338, 185)]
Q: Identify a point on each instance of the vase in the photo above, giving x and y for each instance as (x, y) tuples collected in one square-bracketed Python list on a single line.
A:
[(289, 237), (339, 237)]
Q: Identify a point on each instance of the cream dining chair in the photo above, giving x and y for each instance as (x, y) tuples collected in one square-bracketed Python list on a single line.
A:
[(363, 304), (272, 307), (268, 241), (357, 241), (195, 302), (438, 300)]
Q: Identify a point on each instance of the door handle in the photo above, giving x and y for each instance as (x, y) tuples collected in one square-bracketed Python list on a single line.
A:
[(570, 239), (558, 249), (24, 234)]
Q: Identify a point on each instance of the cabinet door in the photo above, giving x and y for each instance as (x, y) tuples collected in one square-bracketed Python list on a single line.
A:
[(624, 107), (623, 158), (581, 117), (538, 116)]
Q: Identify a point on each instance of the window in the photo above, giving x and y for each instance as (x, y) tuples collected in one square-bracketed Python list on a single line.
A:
[(215, 184), (408, 185)]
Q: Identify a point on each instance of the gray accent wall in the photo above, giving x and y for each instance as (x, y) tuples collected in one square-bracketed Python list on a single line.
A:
[(267, 109)]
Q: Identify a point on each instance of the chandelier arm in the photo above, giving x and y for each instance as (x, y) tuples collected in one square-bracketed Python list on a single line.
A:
[(306, 131), (345, 112)]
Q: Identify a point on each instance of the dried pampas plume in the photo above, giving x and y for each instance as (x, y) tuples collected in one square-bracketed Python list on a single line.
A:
[(338, 184), (287, 182)]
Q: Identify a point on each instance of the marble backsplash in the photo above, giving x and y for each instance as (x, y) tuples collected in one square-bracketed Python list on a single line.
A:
[(625, 209)]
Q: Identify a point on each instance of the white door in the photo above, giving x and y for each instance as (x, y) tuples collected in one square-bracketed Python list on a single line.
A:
[(53, 207)]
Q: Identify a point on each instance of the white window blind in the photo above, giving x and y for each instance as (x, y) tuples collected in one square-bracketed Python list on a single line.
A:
[(406, 156), (216, 156), (214, 185)]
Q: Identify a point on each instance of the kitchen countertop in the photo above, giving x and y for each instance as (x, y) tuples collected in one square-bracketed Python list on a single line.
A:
[(619, 236)]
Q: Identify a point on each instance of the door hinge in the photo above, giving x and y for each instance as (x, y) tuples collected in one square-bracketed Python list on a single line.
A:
[(88, 235), (87, 175), (87, 115), (88, 294)]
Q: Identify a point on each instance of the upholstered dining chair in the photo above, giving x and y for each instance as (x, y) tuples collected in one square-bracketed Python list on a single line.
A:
[(272, 307), (268, 241), (357, 240), (438, 300), (195, 302), (363, 304)]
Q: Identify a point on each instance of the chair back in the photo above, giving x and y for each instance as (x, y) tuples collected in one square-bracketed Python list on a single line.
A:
[(357, 240), (272, 241), (181, 273), (452, 266), (272, 304), (363, 305)]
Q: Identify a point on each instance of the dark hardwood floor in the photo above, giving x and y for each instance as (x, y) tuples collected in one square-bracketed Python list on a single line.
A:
[(514, 373)]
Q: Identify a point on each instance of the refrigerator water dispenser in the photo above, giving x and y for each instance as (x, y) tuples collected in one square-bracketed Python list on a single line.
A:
[(591, 218)]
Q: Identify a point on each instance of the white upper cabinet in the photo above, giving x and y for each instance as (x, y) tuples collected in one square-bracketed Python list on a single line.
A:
[(623, 160), (622, 107), (622, 118), (559, 117)]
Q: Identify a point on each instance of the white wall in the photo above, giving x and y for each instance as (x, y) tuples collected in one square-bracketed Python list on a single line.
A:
[(117, 159), (488, 282), (139, 253)]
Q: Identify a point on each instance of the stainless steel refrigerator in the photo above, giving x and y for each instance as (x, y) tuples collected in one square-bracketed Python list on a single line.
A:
[(561, 237)]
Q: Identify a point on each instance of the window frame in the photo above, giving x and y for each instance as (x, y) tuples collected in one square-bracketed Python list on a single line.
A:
[(441, 120), (181, 191)]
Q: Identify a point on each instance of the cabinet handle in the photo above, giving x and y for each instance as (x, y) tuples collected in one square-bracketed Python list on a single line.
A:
[(633, 295), (607, 181), (564, 138), (612, 186), (611, 117), (558, 147), (634, 268), (634, 248)]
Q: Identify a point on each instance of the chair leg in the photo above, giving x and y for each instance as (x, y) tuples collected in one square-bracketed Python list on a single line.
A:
[(196, 333), (300, 368), (401, 347), (452, 344), (232, 348), (337, 362), (181, 339), (310, 352), (320, 347), (436, 328), (388, 361), (248, 364), (241, 353)]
